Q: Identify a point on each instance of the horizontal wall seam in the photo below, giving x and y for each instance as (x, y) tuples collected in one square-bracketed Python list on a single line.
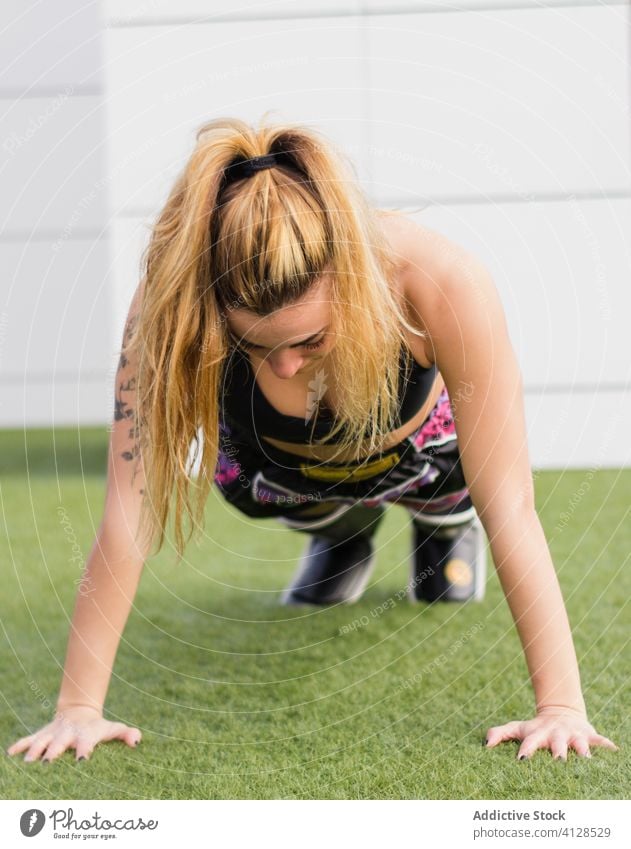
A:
[(122, 22), (456, 200), (51, 91), (52, 378), (48, 378), (45, 235)]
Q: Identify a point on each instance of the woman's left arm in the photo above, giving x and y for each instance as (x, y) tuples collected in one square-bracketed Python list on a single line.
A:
[(465, 320)]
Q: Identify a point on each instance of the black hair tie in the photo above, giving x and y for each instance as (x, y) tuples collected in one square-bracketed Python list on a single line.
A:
[(248, 167)]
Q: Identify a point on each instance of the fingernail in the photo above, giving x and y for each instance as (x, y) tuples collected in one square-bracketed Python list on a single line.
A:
[(486, 742), (523, 757), (136, 742), (45, 760), (82, 758), (27, 758)]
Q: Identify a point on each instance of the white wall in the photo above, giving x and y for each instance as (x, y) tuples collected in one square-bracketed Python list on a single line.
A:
[(55, 313), (507, 121)]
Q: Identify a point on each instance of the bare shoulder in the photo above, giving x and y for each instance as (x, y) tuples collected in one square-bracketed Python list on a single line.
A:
[(439, 281), (429, 260), (451, 295)]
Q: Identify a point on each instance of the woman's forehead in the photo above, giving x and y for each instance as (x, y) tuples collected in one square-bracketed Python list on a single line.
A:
[(311, 310), (289, 322)]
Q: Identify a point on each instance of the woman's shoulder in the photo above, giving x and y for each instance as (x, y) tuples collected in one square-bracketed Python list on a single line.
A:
[(426, 259), (419, 249)]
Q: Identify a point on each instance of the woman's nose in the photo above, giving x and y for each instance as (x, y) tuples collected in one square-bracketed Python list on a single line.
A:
[(286, 363)]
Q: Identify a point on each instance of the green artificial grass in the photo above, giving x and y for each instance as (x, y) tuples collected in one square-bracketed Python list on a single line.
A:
[(238, 697)]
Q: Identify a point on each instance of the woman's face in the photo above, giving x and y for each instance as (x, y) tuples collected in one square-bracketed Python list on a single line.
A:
[(291, 340)]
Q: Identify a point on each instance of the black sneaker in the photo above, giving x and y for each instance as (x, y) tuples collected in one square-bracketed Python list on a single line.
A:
[(331, 572), (339, 558), (448, 562)]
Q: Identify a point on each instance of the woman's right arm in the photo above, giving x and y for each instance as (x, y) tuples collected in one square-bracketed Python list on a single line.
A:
[(106, 593)]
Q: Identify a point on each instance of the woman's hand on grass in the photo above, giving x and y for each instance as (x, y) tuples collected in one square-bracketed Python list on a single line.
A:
[(557, 729), (80, 728)]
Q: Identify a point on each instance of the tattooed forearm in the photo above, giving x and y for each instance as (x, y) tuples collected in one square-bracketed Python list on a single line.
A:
[(123, 398), (132, 321), (122, 410)]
